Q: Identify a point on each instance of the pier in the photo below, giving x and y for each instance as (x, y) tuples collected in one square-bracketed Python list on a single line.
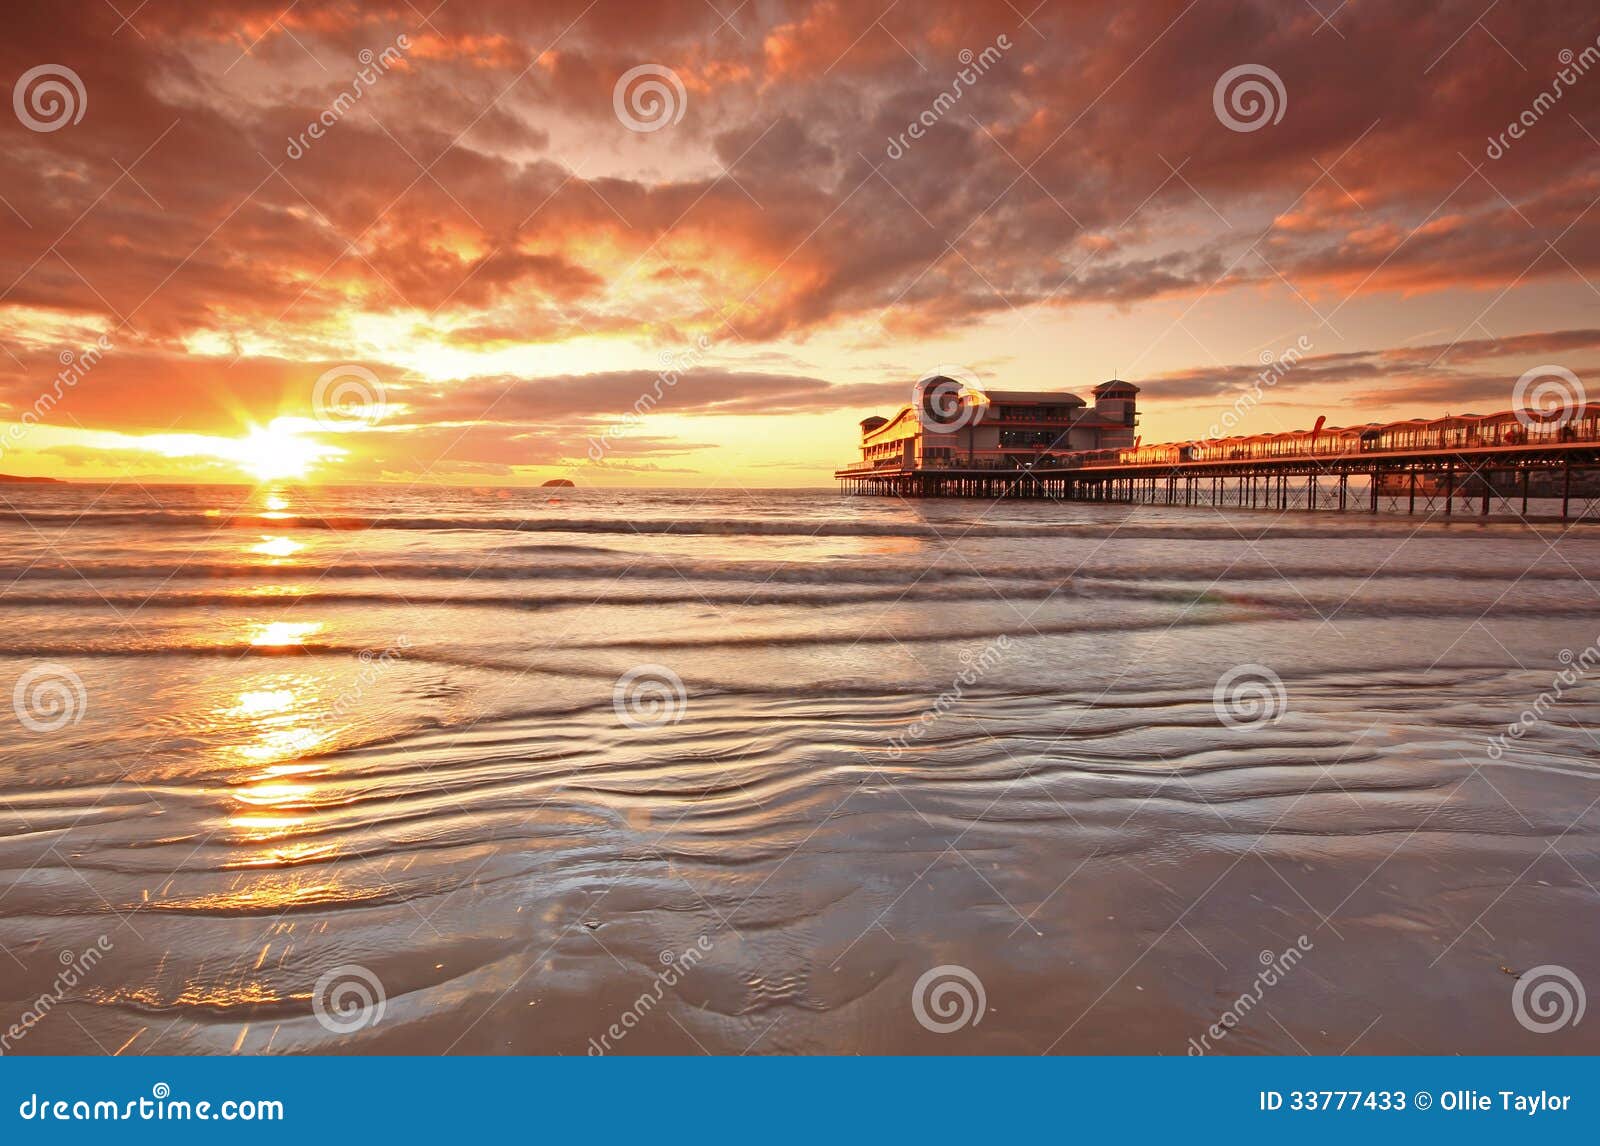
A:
[(1467, 465)]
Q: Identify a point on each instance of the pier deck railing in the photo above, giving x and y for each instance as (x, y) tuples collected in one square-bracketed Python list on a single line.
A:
[(1539, 467)]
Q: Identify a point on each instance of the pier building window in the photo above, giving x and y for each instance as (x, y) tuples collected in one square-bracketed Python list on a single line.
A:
[(1027, 437)]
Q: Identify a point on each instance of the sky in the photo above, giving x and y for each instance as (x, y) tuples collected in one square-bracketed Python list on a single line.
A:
[(694, 242)]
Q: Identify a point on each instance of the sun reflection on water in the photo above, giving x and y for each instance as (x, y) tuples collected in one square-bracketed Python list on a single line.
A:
[(279, 724), (266, 794), (271, 546), (282, 634), (275, 505), (262, 702)]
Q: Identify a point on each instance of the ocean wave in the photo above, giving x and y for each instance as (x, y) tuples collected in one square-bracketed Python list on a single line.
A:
[(838, 574), (1237, 528)]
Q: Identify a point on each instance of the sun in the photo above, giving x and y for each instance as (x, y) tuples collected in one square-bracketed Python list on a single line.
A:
[(276, 451)]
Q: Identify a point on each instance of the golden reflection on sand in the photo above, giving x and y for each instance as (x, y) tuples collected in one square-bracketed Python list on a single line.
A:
[(246, 993), (287, 855), (279, 721), (272, 795), (276, 743), (273, 804)]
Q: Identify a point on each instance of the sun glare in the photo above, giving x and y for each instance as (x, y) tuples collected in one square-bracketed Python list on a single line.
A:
[(276, 451)]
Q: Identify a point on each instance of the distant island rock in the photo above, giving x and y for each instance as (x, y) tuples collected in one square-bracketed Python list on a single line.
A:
[(565, 482), (12, 479)]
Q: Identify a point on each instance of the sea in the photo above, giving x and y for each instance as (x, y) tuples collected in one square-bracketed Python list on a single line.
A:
[(578, 771)]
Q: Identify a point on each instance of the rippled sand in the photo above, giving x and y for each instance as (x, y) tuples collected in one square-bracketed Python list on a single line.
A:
[(325, 739)]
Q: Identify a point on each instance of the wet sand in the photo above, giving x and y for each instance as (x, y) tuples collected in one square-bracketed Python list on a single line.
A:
[(316, 767)]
